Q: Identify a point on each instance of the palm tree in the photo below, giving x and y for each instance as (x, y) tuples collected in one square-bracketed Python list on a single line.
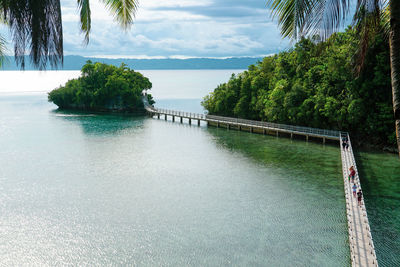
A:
[(36, 27), (299, 18)]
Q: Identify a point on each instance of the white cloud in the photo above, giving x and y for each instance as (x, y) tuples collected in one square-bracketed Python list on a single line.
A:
[(175, 28)]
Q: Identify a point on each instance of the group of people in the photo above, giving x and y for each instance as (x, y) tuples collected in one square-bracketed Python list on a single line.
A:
[(354, 187), (352, 171), (345, 142)]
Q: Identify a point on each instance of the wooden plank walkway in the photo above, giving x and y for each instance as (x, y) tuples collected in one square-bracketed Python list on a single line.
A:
[(362, 248)]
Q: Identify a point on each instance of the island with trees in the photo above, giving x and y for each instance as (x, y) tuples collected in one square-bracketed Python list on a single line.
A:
[(103, 87), (316, 84)]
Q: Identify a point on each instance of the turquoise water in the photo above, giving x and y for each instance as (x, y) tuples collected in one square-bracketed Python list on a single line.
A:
[(380, 180), (90, 189)]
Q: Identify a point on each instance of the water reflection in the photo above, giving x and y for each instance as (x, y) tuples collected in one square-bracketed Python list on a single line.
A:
[(311, 159), (101, 123)]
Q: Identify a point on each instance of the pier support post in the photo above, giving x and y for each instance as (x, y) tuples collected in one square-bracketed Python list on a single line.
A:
[(323, 140), (165, 116), (251, 129), (291, 135), (190, 121), (217, 124), (277, 134), (181, 120), (307, 138), (240, 128), (228, 126), (198, 122), (264, 131), (158, 115), (173, 118)]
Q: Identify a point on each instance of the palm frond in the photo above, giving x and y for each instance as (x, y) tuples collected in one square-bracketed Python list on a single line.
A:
[(385, 20), (84, 12), (367, 21), (291, 15), (123, 11), (326, 17), (3, 50), (35, 26), (299, 18)]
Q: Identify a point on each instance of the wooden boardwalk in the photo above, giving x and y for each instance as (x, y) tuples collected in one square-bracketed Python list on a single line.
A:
[(362, 248), (242, 124)]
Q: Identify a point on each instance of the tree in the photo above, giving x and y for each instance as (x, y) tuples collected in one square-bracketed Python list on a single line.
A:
[(36, 27), (103, 87), (313, 85), (299, 18)]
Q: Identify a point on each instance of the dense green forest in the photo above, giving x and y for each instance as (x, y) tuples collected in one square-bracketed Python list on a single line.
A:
[(315, 84), (103, 87)]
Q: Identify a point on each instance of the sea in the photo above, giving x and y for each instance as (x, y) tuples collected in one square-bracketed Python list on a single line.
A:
[(106, 189)]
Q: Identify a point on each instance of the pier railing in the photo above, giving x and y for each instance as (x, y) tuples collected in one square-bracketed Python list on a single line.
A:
[(191, 115), (262, 124), (290, 128), (362, 247)]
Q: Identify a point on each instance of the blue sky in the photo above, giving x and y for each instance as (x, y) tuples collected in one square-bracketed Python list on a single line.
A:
[(177, 29)]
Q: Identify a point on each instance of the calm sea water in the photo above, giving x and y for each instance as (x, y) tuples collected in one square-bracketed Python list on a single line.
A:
[(90, 189)]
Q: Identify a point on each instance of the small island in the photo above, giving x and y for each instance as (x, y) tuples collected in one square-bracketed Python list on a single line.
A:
[(103, 87)]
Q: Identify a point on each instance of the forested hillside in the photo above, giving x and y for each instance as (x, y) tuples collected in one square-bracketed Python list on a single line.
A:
[(315, 84)]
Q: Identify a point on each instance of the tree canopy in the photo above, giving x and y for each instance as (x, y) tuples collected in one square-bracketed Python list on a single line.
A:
[(314, 85), (299, 18), (103, 87)]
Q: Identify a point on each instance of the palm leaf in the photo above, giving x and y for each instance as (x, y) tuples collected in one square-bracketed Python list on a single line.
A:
[(84, 11), (35, 27), (299, 18), (368, 20), (3, 50), (123, 11)]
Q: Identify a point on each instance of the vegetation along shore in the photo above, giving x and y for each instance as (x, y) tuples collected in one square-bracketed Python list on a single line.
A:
[(314, 84)]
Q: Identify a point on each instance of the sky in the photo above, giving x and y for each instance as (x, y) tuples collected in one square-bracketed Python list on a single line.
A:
[(176, 29)]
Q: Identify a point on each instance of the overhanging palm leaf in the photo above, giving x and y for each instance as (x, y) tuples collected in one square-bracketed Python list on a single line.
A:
[(35, 26), (84, 13), (3, 50), (3, 42), (299, 18), (367, 21), (123, 11)]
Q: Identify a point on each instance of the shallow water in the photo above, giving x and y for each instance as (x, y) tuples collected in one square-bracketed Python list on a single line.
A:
[(380, 181), (89, 189)]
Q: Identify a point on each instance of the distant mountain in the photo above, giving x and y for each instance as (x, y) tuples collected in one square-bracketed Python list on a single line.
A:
[(76, 62)]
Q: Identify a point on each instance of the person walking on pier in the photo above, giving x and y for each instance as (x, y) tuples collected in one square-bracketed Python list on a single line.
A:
[(359, 195), (352, 174), (354, 189), (344, 143)]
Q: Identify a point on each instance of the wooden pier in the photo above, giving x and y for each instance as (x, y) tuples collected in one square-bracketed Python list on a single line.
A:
[(245, 125), (362, 248)]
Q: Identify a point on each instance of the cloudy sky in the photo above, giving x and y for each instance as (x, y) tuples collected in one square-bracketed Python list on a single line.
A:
[(177, 28)]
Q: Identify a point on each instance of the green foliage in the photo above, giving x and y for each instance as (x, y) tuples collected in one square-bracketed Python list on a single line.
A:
[(103, 87), (313, 85)]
